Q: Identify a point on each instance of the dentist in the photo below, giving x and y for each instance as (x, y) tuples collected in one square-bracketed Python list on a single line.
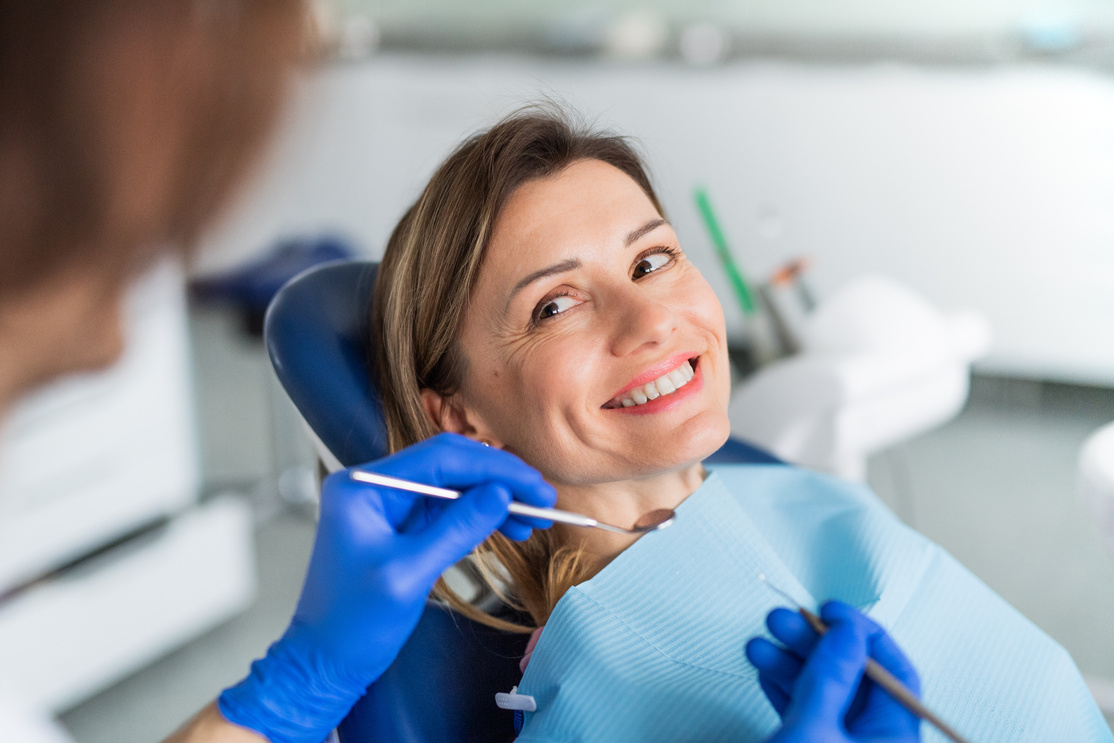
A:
[(125, 125)]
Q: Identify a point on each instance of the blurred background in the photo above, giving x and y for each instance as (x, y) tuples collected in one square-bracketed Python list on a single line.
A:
[(918, 198)]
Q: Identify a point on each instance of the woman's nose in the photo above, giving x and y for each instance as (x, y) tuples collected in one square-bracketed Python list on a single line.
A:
[(641, 320)]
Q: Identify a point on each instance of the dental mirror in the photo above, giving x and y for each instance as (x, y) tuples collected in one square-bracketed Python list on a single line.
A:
[(648, 522)]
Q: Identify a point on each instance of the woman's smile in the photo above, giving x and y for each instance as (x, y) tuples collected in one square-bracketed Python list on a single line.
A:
[(666, 380)]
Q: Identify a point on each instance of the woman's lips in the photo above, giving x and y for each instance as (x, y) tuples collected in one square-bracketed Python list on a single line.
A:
[(678, 373), (665, 403)]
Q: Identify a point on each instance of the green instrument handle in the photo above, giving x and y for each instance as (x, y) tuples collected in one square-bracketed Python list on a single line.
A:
[(734, 275)]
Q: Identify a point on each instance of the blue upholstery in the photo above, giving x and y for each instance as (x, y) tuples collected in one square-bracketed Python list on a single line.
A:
[(250, 288), (315, 332), (442, 685), (734, 451)]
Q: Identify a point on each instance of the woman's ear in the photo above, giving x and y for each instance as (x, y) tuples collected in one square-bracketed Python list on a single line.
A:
[(438, 409), (448, 414)]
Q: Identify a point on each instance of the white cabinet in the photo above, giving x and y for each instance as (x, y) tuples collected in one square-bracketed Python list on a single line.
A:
[(88, 464)]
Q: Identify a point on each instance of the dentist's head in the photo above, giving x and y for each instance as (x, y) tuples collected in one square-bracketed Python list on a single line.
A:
[(124, 126), (536, 298)]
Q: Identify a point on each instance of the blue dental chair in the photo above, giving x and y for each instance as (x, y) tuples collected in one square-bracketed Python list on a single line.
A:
[(442, 686)]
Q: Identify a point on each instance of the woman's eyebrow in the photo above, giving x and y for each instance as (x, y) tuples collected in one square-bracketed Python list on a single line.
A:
[(650, 226), (565, 265)]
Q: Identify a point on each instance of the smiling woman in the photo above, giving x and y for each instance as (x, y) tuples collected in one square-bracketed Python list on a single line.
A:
[(536, 298)]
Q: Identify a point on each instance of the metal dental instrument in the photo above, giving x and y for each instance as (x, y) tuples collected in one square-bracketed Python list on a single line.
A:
[(652, 521), (876, 673)]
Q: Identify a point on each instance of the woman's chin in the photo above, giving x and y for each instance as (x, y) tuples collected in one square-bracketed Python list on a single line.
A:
[(703, 437), (704, 434), (643, 453)]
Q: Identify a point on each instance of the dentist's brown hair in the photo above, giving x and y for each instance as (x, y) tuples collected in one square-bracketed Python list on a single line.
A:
[(424, 287), (126, 124)]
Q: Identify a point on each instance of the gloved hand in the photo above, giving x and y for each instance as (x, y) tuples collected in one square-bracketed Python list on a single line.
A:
[(816, 683), (377, 555)]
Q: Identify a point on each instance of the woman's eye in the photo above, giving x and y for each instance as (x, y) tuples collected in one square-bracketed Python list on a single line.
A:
[(653, 262), (554, 306)]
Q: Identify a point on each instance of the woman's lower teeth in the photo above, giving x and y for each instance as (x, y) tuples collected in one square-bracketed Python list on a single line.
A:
[(663, 385)]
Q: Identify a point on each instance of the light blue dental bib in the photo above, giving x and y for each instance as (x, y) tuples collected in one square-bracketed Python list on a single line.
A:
[(651, 648)]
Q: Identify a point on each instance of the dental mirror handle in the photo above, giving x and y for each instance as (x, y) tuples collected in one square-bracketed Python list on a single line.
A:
[(551, 514), (519, 509)]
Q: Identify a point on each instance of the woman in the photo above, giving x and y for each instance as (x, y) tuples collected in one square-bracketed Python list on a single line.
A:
[(536, 299), (491, 353)]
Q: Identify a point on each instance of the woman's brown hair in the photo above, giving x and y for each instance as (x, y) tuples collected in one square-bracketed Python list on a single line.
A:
[(124, 124), (424, 287)]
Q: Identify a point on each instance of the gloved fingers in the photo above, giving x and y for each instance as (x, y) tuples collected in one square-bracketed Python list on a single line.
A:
[(457, 530), (360, 513), (779, 698), (792, 630), (777, 670), (831, 675), (515, 530), (354, 508), (837, 611), (777, 663), (519, 528), (452, 461), (531, 521), (424, 511), (882, 647)]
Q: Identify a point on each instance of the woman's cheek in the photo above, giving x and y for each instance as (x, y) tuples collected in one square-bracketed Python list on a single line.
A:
[(708, 316)]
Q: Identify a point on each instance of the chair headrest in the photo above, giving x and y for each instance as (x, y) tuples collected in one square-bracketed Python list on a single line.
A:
[(316, 332)]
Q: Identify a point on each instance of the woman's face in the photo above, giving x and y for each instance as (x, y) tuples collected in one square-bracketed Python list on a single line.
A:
[(594, 349)]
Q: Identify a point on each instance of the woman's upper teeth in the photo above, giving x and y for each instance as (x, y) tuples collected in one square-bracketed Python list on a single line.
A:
[(663, 385)]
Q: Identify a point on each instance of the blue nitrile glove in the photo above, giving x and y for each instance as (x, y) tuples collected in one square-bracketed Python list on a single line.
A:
[(816, 683), (377, 555)]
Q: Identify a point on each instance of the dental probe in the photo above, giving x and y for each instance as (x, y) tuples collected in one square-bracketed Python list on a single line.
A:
[(652, 521), (876, 673)]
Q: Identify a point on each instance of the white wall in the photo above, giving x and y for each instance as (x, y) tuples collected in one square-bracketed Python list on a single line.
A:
[(988, 188), (828, 18)]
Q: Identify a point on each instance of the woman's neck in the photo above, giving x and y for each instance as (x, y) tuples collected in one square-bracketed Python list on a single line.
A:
[(621, 503)]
